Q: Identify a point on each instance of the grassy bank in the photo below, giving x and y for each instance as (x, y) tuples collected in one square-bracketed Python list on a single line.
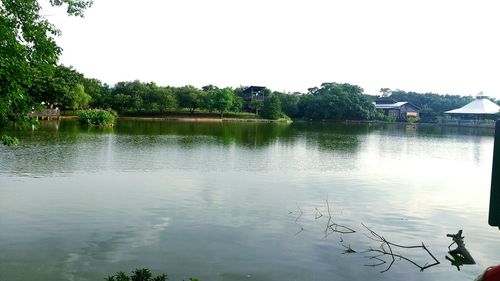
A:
[(195, 118), (201, 116)]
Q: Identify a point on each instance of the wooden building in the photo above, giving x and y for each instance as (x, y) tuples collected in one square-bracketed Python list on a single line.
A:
[(399, 110), (252, 93)]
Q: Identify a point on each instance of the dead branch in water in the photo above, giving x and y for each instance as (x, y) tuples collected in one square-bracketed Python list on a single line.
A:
[(297, 219), (348, 249), (460, 255), (335, 227), (386, 249), (385, 254)]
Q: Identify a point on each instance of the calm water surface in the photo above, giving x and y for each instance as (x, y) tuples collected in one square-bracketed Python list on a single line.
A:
[(241, 201)]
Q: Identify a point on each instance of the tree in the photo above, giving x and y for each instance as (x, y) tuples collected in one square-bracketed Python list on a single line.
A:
[(128, 96), (223, 100), (77, 98), (290, 104), (256, 105), (271, 108), (166, 99), (237, 104), (337, 101), (207, 97), (189, 97), (100, 93), (385, 92), (27, 45)]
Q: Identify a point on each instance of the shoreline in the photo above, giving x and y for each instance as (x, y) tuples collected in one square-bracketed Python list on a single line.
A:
[(204, 119), (286, 121)]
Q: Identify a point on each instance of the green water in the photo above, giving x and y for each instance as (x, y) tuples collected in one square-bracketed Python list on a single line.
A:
[(241, 201)]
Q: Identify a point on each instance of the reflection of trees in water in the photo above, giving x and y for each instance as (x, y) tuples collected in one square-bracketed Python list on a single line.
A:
[(253, 135), (64, 146), (337, 142), (59, 146), (55, 147)]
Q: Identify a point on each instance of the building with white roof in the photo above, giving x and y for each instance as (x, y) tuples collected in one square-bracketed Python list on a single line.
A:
[(400, 110), (480, 106)]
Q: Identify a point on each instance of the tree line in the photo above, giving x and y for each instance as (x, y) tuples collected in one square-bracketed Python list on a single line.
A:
[(70, 90)]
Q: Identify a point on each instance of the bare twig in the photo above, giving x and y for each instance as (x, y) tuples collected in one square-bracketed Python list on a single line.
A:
[(348, 249), (318, 214), (297, 221), (335, 227), (386, 249)]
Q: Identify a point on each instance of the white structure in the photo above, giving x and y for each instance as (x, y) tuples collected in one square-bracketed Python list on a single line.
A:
[(481, 105)]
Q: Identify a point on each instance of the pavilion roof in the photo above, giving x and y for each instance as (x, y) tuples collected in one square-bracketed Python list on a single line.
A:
[(480, 105)]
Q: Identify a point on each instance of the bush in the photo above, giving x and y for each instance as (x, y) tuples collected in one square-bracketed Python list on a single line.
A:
[(391, 118), (97, 117), (271, 108), (140, 274), (412, 119)]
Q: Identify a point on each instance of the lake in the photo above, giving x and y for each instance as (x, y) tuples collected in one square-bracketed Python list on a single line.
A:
[(243, 201)]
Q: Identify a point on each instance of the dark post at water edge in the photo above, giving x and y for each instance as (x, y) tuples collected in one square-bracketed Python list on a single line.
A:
[(494, 218)]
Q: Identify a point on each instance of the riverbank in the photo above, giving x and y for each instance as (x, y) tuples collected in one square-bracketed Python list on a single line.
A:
[(201, 117), (204, 119), (246, 118)]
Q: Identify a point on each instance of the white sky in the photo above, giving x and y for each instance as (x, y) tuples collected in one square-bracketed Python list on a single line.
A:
[(443, 46)]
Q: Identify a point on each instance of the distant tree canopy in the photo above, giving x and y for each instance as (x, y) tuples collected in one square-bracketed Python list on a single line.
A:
[(189, 97), (271, 108), (331, 101), (63, 87)]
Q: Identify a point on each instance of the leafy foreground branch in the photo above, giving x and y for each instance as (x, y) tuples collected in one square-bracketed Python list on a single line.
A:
[(140, 274)]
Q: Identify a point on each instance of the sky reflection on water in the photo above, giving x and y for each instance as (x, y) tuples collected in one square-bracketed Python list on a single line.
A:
[(220, 201)]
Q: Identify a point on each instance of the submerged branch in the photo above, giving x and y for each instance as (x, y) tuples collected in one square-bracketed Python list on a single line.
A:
[(385, 254), (386, 249)]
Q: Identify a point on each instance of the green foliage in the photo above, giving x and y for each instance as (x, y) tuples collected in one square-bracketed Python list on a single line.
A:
[(391, 119), (237, 104), (96, 117), (290, 104), (27, 47), (8, 140), (379, 115), (99, 92), (256, 105), (337, 102), (222, 100), (412, 119), (63, 87), (78, 99), (271, 108), (189, 97), (137, 97), (140, 274)]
